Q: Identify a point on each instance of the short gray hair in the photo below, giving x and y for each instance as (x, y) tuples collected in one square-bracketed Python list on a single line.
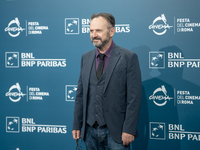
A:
[(109, 17)]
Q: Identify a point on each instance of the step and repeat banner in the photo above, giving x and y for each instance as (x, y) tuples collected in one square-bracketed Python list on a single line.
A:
[(41, 44)]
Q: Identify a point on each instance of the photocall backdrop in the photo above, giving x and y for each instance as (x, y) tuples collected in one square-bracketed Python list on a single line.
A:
[(41, 43)]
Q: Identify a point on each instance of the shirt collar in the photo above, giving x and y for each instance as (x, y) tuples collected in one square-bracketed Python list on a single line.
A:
[(108, 52)]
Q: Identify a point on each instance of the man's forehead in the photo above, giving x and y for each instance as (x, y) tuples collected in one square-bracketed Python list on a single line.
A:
[(99, 22)]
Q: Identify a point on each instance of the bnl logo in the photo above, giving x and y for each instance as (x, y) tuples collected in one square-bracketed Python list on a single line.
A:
[(71, 25), (70, 92), (156, 60), (12, 59), (12, 124), (157, 130)]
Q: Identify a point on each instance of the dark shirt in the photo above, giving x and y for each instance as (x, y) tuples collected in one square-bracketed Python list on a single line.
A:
[(106, 58)]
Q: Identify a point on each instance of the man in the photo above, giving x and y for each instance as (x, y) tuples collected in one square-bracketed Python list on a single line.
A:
[(109, 91)]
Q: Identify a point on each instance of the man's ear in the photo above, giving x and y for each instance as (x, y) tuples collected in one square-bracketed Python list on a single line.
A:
[(112, 31)]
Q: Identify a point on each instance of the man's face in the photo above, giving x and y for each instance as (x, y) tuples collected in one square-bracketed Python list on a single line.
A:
[(99, 32)]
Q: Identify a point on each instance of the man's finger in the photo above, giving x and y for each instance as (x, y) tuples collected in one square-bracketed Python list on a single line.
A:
[(127, 138), (125, 143), (76, 134)]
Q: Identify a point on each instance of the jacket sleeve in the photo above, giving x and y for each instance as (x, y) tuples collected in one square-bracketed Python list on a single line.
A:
[(78, 108), (134, 95)]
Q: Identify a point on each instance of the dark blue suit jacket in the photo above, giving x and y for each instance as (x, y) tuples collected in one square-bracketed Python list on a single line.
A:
[(122, 93)]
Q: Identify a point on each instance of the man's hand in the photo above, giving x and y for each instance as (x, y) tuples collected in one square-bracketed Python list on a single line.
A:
[(76, 134), (127, 138)]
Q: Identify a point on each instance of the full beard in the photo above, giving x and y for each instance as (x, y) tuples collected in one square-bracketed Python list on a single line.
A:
[(102, 43)]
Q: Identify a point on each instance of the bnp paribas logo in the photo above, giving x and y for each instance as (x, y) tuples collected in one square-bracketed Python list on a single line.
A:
[(156, 60), (70, 92), (12, 124), (12, 59), (157, 130), (71, 25)]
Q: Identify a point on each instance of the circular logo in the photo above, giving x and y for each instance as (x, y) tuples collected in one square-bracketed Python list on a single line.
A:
[(11, 30), (15, 93), (160, 27), (160, 100)]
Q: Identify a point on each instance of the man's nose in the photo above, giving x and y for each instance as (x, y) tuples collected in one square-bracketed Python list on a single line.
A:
[(94, 34)]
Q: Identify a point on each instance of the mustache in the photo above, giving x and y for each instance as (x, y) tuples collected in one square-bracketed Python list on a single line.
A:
[(96, 38)]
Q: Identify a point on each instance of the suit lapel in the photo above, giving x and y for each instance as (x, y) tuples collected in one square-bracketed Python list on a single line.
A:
[(115, 55)]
